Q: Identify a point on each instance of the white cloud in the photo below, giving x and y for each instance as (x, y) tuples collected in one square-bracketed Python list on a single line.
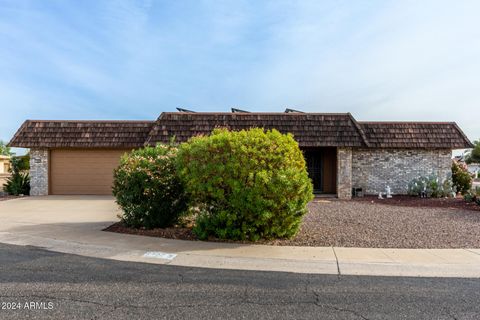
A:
[(403, 61), (380, 60)]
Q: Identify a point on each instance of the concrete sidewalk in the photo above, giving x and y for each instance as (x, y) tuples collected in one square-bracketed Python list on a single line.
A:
[(73, 225)]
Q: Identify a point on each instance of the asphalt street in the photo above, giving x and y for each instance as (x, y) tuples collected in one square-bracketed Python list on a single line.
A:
[(38, 284)]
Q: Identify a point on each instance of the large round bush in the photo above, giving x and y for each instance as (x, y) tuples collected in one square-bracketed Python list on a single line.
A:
[(148, 189), (247, 184)]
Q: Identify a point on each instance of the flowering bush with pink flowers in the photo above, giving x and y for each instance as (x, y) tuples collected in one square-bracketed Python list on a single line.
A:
[(148, 189), (461, 178)]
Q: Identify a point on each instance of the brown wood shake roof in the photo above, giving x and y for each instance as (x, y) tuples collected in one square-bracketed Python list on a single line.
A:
[(82, 134), (309, 129), (430, 135)]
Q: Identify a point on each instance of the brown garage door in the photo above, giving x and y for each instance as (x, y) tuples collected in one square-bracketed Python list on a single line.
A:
[(83, 171)]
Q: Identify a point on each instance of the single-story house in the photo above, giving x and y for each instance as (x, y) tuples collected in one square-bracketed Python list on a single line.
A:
[(4, 164), (78, 157), (4, 170)]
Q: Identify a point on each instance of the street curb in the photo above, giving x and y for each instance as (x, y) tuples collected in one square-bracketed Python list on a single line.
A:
[(368, 262)]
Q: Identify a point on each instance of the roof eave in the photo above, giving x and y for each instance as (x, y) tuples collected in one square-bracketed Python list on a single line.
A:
[(468, 143), (12, 142), (360, 130)]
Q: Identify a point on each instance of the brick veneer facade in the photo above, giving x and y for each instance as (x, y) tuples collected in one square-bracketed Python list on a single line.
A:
[(375, 169), (39, 162), (344, 173), (370, 169), (370, 155)]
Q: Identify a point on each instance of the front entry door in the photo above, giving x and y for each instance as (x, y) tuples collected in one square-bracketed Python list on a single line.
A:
[(314, 161)]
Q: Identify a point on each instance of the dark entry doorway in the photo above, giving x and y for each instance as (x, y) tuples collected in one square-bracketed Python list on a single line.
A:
[(314, 161), (322, 169)]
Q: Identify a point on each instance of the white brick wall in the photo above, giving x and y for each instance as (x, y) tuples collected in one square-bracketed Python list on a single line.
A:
[(375, 169)]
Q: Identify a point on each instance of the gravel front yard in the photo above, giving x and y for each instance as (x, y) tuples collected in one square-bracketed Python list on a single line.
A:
[(362, 223), (365, 224)]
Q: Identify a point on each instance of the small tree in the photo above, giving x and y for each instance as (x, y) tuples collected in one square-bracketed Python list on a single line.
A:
[(474, 155), (4, 149), (147, 188), (247, 185), (461, 178), (22, 163)]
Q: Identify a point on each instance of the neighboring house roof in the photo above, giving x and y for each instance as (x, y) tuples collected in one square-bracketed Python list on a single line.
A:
[(81, 134), (430, 135), (309, 129)]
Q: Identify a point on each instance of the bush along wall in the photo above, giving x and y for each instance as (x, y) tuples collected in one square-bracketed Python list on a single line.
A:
[(148, 189), (473, 196), (246, 185), (431, 186), (462, 180)]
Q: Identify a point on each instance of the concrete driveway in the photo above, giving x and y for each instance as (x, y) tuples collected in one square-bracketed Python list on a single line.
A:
[(73, 224), (58, 210)]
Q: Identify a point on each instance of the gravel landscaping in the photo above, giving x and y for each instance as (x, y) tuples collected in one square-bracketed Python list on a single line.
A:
[(429, 223), (366, 224), (407, 201)]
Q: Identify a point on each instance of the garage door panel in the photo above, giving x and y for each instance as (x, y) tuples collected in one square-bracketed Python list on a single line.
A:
[(92, 174), (92, 183), (76, 190), (83, 171)]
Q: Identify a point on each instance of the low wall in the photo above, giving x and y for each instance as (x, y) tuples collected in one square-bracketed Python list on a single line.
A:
[(375, 169)]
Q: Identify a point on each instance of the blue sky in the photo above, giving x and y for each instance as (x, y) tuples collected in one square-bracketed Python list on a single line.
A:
[(379, 60)]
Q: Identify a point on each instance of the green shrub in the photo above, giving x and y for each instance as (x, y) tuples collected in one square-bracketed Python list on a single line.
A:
[(468, 197), (4, 149), (148, 189), (21, 163), (431, 186), (17, 184), (474, 154), (246, 185), (473, 196), (461, 178), (416, 187)]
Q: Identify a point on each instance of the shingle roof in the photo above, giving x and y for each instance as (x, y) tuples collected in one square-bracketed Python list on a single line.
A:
[(429, 135), (82, 134), (309, 129)]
